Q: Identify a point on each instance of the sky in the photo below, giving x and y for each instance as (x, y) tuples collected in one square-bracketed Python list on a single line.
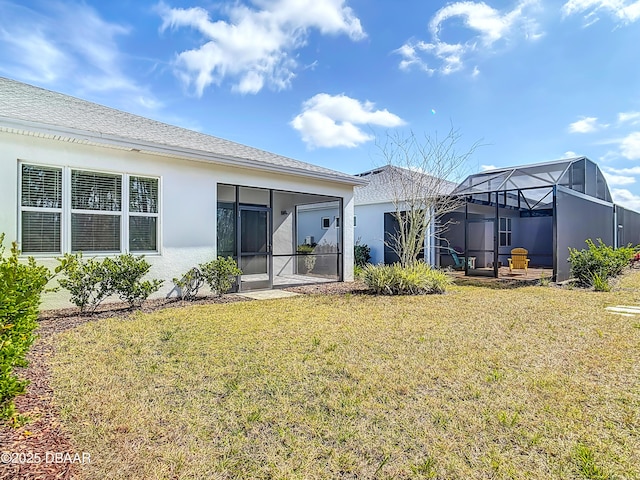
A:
[(326, 81)]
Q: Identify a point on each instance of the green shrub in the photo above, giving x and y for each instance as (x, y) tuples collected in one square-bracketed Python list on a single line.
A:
[(91, 281), (418, 279), (86, 280), (600, 284), (358, 271), (220, 274), (601, 260), (21, 285), (125, 274), (361, 254)]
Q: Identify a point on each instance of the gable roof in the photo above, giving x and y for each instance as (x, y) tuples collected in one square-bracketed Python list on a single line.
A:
[(381, 180), (29, 110)]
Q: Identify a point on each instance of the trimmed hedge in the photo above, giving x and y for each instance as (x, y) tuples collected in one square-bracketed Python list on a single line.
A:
[(21, 285)]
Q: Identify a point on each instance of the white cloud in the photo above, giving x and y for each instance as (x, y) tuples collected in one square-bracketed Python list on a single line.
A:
[(624, 171), (624, 11), (69, 44), (630, 146), (586, 125), (629, 117), (334, 121), (624, 197), (486, 168), (618, 179), (570, 154), (488, 24), (255, 47)]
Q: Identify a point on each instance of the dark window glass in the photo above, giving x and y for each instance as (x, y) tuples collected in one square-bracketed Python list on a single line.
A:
[(95, 233), (40, 232)]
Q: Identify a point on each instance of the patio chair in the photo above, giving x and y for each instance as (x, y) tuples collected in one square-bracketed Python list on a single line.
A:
[(457, 259), (519, 260)]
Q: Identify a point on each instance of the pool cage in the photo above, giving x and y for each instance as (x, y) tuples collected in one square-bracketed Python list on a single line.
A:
[(545, 208)]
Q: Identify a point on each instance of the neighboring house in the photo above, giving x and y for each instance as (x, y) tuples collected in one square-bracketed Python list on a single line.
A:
[(319, 224), (377, 202), (77, 176), (545, 208)]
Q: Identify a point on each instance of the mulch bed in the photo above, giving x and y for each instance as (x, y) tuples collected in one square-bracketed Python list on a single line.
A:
[(44, 435)]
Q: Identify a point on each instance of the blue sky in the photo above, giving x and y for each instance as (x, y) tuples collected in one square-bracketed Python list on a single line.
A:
[(319, 80)]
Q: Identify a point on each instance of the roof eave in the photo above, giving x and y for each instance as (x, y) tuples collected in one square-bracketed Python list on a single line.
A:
[(167, 150)]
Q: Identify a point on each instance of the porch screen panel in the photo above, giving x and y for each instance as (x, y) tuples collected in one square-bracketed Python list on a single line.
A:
[(574, 227), (96, 211), (226, 237), (41, 209)]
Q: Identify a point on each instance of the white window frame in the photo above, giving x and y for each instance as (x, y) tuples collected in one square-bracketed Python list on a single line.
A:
[(337, 221), (61, 210), (110, 213), (322, 222), (130, 214), (66, 211), (508, 232), (355, 221)]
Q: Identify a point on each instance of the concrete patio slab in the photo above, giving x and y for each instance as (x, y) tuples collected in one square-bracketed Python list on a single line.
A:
[(267, 294)]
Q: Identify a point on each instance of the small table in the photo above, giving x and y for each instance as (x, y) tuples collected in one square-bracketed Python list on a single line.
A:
[(472, 263)]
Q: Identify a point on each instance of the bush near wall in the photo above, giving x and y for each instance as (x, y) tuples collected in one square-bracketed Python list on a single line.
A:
[(361, 254), (417, 279), (21, 285), (91, 281), (598, 263), (220, 275)]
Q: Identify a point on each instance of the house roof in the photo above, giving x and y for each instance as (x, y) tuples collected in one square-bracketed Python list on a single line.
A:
[(382, 181), (29, 110), (577, 173)]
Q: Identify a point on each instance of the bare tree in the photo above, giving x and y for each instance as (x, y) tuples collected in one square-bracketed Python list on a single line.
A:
[(421, 174)]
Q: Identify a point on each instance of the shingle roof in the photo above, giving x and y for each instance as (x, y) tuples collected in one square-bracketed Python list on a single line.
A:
[(380, 187), (33, 110)]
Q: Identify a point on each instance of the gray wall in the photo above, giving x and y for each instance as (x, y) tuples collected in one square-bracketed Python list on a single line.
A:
[(536, 235), (579, 219), (628, 224), (309, 223)]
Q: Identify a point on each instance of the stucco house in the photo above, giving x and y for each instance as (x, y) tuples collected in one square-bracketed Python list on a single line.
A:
[(77, 176), (377, 202)]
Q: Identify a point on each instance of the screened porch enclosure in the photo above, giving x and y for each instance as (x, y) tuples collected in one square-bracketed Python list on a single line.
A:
[(279, 238), (545, 208)]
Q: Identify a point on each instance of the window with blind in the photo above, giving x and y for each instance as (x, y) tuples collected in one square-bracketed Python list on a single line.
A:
[(41, 209), (96, 211), (104, 212), (143, 214)]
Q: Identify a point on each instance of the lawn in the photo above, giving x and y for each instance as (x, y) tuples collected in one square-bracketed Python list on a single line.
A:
[(533, 382)]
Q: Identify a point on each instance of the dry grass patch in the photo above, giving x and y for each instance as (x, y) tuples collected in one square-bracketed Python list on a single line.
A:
[(532, 383)]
